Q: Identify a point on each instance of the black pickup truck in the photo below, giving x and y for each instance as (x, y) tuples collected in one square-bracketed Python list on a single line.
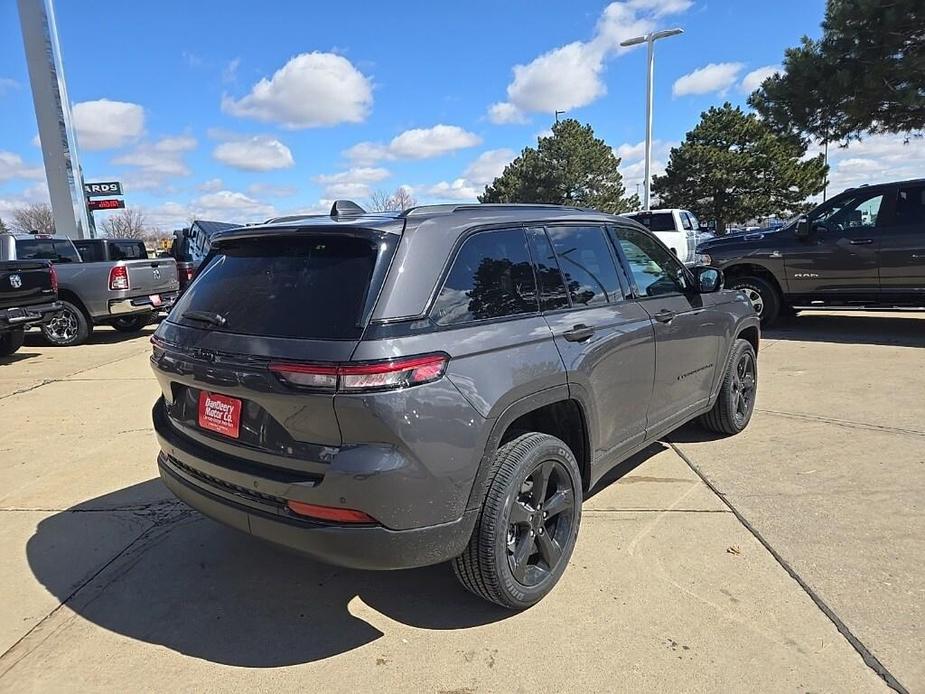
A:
[(28, 296), (863, 248)]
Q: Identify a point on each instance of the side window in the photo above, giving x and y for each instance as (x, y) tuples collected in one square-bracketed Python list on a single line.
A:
[(854, 212), (65, 252), (586, 264), (553, 294), (655, 270), (686, 221), (90, 252), (492, 277), (910, 207)]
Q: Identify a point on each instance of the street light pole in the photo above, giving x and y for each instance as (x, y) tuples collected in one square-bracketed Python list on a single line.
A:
[(649, 39)]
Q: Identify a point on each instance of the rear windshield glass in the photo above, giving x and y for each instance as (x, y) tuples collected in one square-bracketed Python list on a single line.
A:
[(311, 287), (660, 221), (127, 250)]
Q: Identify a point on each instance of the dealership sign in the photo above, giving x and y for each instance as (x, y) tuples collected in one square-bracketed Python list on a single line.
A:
[(107, 204), (93, 190)]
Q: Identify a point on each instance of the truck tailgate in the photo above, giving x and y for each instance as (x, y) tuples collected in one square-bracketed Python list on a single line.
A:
[(152, 276), (24, 282)]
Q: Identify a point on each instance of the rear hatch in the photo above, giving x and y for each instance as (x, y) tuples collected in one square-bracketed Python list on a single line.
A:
[(305, 296), (152, 276), (25, 282)]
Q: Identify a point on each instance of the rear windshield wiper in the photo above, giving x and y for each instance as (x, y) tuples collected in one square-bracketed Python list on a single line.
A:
[(206, 317)]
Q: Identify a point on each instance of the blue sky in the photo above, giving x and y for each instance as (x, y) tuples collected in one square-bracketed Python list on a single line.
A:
[(240, 110)]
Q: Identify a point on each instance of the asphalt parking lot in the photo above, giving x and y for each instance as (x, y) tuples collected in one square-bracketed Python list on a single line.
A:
[(788, 558)]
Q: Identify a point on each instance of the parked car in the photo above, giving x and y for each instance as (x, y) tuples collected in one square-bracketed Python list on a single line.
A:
[(677, 229), (386, 391), (863, 248), (123, 293), (191, 246), (28, 297)]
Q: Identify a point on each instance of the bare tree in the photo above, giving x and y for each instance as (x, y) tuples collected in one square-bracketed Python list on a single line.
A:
[(35, 217), (401, 199), (127, 223)]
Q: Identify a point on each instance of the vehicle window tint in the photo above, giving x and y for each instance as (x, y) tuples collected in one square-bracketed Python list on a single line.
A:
[(35, 249), (309, 287), (910, 206), (686, 221), (655, 270), (127, 250), (65, 252), (657, 221), (491, 277), (586, 264), (553, 294), (858, 211), (90, 252)]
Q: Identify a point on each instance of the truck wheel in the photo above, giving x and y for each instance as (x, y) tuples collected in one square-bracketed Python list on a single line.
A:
[(69, 327), (762, 294), (131, 324), (11, 341), (528, 524), (736, 402)]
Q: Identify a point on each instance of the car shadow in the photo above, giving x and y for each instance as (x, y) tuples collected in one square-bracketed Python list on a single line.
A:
[(102, 335), (17, 356), (870, 328)]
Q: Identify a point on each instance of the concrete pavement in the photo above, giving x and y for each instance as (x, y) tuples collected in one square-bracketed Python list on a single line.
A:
[(111, 584)]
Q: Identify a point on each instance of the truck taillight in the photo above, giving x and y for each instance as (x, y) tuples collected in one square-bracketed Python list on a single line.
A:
[(118, 278), (363, 376), (53, 275)]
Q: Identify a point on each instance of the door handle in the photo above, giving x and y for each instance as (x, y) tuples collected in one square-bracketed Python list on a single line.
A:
[(664, 316), (861, 242), (579, 333)]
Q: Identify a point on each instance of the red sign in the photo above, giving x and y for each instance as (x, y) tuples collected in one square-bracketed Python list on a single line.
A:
[(220, 414), (105, 204)]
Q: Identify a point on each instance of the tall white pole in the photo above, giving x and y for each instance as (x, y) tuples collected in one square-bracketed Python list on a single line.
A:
[(650, 42)]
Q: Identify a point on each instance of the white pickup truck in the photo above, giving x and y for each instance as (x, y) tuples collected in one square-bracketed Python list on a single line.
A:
[(677, 229)]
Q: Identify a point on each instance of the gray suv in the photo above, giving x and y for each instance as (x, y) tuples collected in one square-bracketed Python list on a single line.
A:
[(384, 391)]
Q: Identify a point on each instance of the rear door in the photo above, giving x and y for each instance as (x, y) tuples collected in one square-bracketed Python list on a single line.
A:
[(839, 259), (605, 338), (902, 246), (687, 332)]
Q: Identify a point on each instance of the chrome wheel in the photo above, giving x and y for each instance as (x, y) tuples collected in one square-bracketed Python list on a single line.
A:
[(62, 328), (755, 298), (743, 386), (540, 523)]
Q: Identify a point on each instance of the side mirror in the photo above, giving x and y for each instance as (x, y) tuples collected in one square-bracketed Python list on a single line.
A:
[(707, 279), (802, 228)]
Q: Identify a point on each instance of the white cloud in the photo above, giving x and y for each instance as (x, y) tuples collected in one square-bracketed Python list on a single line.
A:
[(488, 166), (633, 165), (504, 113), (753, 79), (212, 185), (417, 143), (231, 204), (460, 189), (571, 76), (105, 124), (163, 158), (353, 183), (270, 190), (230, 71), (714, 77), (311, 90), (8, 84), (12, 166), (257, 153)]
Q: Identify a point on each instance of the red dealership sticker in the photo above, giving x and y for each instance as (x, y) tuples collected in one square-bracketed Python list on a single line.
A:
[(220, 414)]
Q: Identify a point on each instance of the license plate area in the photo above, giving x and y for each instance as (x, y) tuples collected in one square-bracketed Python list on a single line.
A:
[(220, 413)]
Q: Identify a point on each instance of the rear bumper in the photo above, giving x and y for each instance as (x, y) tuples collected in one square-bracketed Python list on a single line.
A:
[(25, 316), (359, 547), (142, 304)]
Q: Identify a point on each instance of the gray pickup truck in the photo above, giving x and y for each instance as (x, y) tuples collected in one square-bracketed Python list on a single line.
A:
[(125, 294)]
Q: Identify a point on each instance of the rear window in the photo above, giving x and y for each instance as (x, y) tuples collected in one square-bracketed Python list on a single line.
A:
[(90, 251), (659, 221), (313, 287), (127, 250), (55, 250)]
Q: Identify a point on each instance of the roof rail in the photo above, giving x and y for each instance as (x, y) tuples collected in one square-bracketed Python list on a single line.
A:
[(449, 208)]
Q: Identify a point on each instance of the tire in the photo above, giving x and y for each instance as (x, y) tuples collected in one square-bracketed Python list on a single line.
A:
[(70, 327), (514, 529), (736, 402), (764, 297), (131, 324), (11, 341)]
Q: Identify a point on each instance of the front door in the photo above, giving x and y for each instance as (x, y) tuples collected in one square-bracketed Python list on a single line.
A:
[(902, 247), (839, 258), (687, 331), (605, 338)]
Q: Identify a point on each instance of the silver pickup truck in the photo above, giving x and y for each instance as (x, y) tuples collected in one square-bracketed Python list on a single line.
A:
[(126, 293)]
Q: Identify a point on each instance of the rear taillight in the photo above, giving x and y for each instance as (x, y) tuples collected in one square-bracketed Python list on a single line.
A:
[(188, 274), (158, 347), (118, 278), (363, 376), (53, 275), (329, 513)]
